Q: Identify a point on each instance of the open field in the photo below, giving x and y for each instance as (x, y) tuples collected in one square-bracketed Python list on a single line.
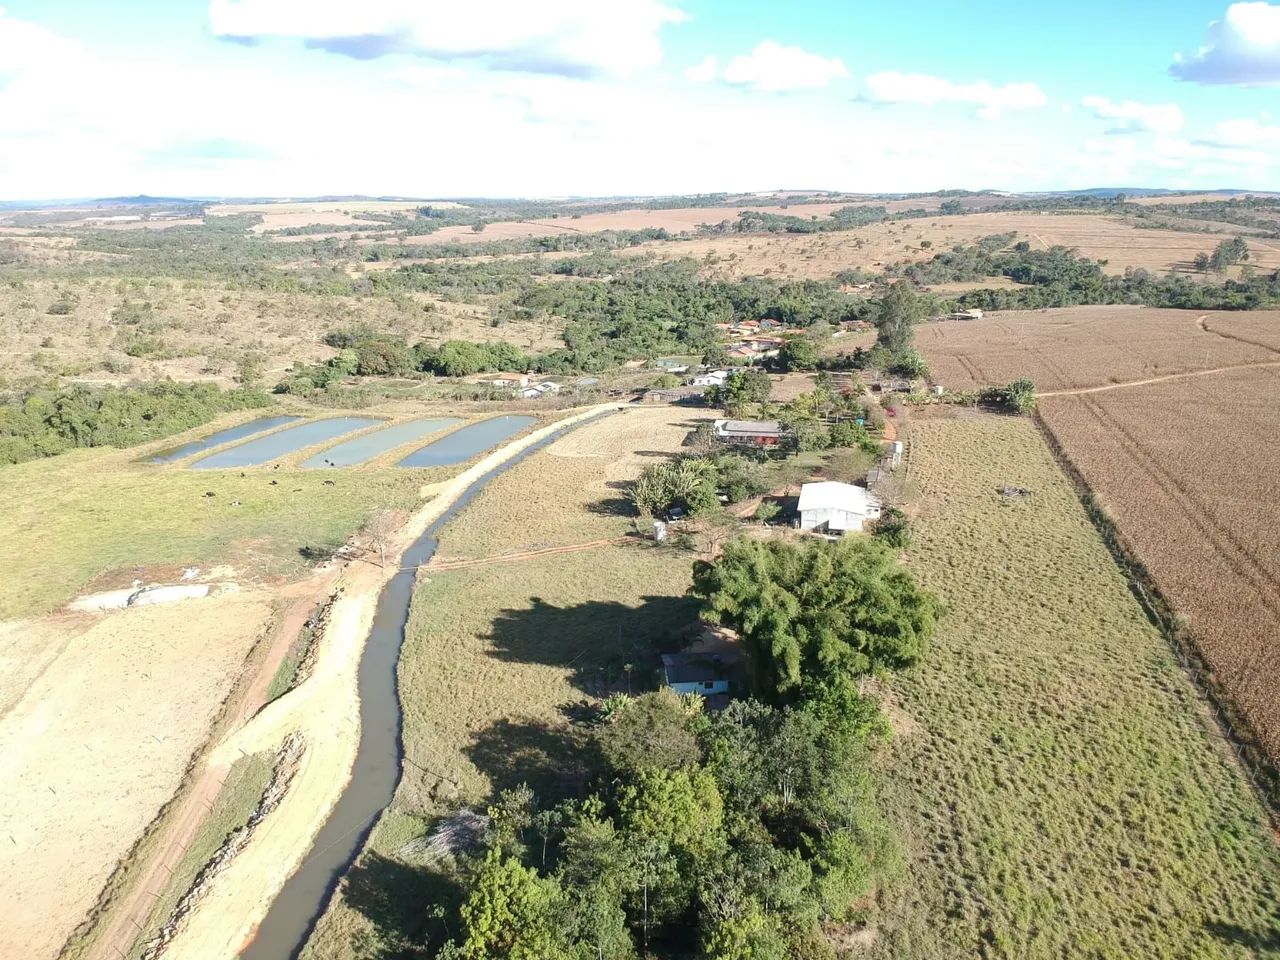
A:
[(1053, 776), (1189, 470), (85, 772), (1073, 347), (817, 255), (97, 516), (494, 654), (194, 331)]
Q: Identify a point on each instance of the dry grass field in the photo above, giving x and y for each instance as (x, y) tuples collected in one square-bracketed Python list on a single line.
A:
[(495, 654), (96, 742), (1054, 779), (1189, 470), (1074, 347), (196, 331), (817, 255)]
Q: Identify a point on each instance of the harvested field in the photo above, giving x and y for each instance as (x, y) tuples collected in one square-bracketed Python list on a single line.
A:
[(816, 255), (1159, 200), (1076, 347), (1058, 788), (495, 655), (84, 773), (1189, 470)]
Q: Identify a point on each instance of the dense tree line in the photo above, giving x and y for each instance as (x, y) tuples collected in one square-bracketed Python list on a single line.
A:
[(45, 422)]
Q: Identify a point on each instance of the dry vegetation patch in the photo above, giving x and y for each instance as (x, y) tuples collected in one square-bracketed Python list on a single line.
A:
[(818, 255), (97, 743), (1072, 347), (1189, 470), (1063, 794), (116, 331)]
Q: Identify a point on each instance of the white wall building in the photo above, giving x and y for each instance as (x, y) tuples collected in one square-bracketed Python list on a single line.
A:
[(836, 508), (714, 379)]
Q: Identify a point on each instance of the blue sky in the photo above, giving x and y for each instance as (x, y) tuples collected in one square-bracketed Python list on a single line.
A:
[(560, 97)]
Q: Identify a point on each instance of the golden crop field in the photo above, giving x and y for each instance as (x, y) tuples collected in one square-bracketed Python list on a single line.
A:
[(1189, 471), (1075, 347)]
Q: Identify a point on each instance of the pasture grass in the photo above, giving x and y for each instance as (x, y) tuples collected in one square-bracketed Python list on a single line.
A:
[(1054, 777), (240, 795), (69, 520)]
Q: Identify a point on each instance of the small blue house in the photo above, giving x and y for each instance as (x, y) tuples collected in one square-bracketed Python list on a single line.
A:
[(702, 673)]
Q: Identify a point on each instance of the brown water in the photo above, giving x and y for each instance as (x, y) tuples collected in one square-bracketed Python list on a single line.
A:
[(294, 912)]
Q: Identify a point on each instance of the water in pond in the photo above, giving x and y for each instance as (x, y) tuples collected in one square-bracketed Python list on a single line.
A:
[(285, 442), (221, 437), (357, 450), (466, 443), (376, 772)]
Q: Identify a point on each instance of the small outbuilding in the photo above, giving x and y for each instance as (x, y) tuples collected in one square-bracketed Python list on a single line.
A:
[(754, 433), (836, 508)]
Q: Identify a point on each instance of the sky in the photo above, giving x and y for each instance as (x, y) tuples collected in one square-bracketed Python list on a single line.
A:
[(551, 98)]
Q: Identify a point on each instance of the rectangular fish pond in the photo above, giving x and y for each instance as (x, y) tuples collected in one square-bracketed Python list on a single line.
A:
[(221, 437), (363, 448), (265, 449), (466, 443)]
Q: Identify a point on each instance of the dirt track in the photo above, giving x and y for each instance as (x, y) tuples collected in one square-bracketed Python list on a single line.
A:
[(103, 721), (325, 710), (1171, 376), (128, 915)]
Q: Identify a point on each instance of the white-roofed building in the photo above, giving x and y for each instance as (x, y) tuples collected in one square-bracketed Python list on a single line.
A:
[(833, 507)]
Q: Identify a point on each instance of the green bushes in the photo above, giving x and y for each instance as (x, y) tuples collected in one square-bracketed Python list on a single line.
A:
[(1016, 397), (46, 422), (739, 834)]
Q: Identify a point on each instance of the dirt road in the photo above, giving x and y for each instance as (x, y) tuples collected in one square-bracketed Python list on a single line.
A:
[(1171, 376), (126, 917)]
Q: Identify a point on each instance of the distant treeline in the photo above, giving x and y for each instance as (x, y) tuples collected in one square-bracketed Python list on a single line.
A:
[(1059, 277), (45, 422)]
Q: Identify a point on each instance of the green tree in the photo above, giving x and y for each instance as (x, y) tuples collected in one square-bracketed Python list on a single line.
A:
[(510, 913), (900, 310), (1229, 252), (652, 730), (741, 388), (799, 353), (815, 611)]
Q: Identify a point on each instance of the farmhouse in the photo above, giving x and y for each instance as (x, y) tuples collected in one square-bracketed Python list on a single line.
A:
[(710, 667), (833, 507), (754, 433), (545, 389), (715, 378)]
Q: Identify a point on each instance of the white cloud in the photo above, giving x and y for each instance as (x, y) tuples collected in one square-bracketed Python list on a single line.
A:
[(1129, 116), (568, 37), (1247, 132), (774, 68), (26, 46), (704, 71), (991, 100), (1241, 48), (210, 130)]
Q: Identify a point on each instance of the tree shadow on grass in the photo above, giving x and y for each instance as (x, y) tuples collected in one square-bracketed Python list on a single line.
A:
[(607, 646), (397, 899), (1263, 942), (556, 760)]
